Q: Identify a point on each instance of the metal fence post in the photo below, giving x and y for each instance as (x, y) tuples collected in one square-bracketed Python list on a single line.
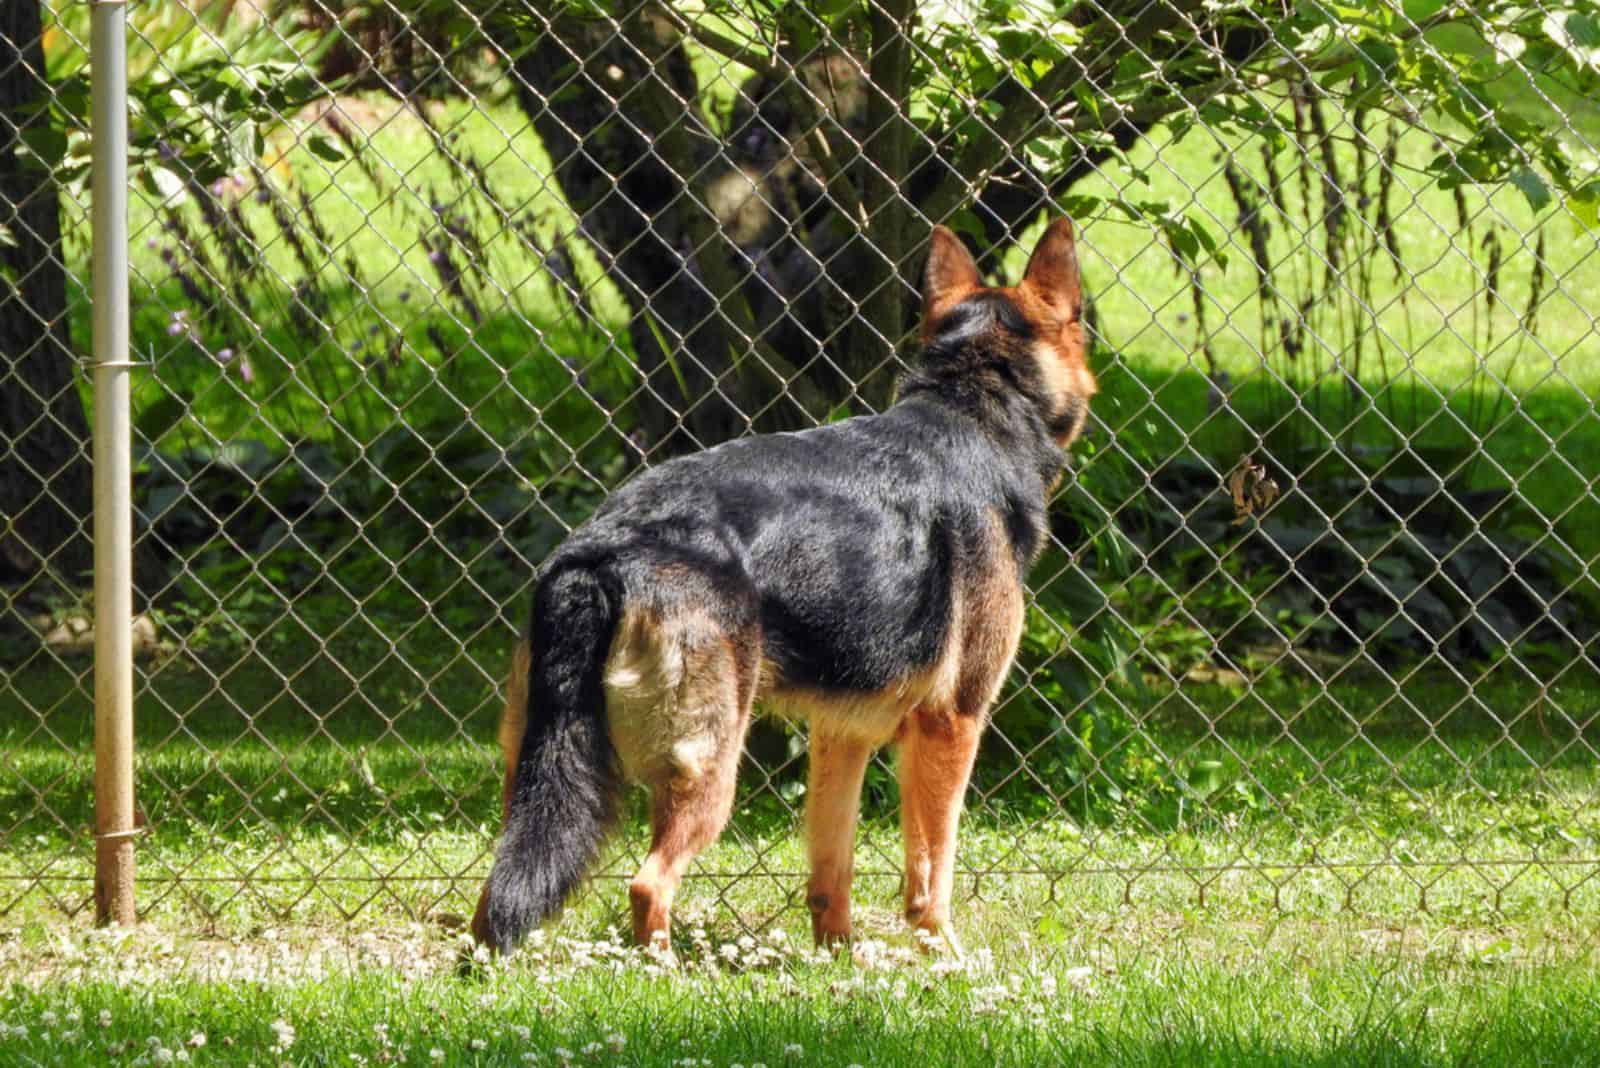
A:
[(113, 524)]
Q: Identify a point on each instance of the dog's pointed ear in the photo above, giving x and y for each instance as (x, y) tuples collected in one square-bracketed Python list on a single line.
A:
[(949, 278), (1052, 272)]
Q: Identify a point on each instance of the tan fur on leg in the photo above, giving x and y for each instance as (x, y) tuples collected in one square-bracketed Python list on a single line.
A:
[(833, 802), (937, 752), (686, 815), (514, 721), (513, 724), (679, 691)]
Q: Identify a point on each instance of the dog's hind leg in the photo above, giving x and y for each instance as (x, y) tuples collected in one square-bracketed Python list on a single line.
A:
[(681, 692), (513, 722), (838, 763), (686, 815), (937, 751)]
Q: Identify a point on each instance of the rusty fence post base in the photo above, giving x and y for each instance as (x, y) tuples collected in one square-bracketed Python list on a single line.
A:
[(113, 881)]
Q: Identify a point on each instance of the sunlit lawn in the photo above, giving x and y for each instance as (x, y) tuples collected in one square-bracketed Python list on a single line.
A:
[(369, 788), (1297, 998)]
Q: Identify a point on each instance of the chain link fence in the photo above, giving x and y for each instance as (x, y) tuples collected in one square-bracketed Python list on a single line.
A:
[(414, 284)]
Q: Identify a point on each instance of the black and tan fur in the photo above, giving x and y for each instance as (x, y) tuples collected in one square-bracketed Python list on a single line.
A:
[(864, 576)]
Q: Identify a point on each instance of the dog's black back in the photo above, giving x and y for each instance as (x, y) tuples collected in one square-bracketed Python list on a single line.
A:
[(849, 534)]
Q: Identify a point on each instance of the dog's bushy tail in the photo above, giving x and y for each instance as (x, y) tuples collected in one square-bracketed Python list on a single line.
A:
[(566, 785)]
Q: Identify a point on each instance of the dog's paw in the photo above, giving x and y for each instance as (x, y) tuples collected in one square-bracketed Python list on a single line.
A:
[(659, 952), (939, 940)]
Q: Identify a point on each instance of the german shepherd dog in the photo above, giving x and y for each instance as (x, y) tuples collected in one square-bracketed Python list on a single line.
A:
[(865, 576)]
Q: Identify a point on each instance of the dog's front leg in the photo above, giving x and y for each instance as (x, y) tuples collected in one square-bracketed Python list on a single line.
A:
[(833, 801), (936, 756)]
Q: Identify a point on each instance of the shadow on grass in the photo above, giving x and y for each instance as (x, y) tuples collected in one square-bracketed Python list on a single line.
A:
[(364, 741), (1544, 444)]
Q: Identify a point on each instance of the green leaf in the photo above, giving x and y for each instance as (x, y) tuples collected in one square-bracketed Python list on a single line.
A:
[(156, 419), (1184, 243), (1421, 10), (1584, 30), (1532, 187), (323, 148), (1014, 44), (46, 142), (966, 222), (1584, 206), (1080, 207), (1207, 240), (1381, 59)]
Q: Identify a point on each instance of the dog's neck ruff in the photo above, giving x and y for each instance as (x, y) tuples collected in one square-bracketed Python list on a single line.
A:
[(996, 392)]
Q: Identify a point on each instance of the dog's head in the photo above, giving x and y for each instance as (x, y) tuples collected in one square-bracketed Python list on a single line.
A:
[(1036, 326)]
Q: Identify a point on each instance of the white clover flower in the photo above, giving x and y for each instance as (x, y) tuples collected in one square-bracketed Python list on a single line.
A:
[(523, 1033), (592, 1049), (436, 1054), (105, 1017), (869, 952), (48, 1018), (197, 1040), (477, 1044), (283, 1034), (616, 1041), (794, 1051)]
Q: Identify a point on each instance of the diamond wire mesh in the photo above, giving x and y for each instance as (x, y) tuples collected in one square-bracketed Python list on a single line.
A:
[(417, 283)]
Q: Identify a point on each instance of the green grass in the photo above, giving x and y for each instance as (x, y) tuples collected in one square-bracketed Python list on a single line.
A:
[(1286, 997), (305, 785)]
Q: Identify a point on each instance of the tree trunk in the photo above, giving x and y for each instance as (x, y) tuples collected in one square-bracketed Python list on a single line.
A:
[(891, 237), (636, 161), (45, 490), (771, 270)]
